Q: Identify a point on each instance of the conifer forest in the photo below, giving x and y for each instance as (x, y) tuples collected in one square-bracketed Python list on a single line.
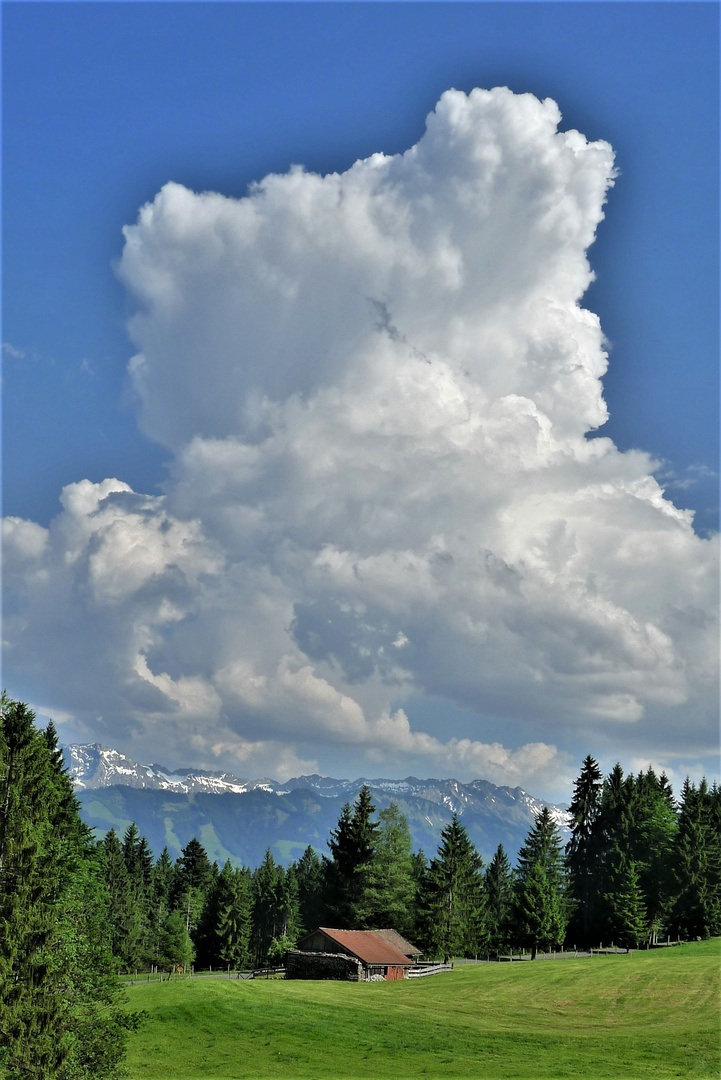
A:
[(640, 864)]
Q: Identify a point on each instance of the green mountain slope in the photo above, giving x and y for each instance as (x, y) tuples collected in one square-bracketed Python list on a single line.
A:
[(242, 826)]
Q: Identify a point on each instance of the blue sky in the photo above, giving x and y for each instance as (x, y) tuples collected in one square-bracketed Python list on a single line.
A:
[(105, 103)]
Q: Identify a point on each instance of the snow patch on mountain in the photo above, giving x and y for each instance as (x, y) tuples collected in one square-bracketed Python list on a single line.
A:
[(96, 766)]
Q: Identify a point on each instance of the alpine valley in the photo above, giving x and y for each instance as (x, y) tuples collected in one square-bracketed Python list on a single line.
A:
[(239, 819)]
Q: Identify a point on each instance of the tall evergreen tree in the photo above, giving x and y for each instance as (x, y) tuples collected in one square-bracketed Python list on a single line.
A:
[(288, 924), (60, 1015), (174, 948), (32, 875), (138, 859), (225, 926), (265, 886), (94, 1018), (235, 919), (158, 907), (348, 872), (391, 886), (541, 898), (538, 911), (311, 889), (615, 811), (584, 851), (618, 838), (191, 881), (364, 831), (625, 917), (123, 917), (69, 826), (652, 847), (419, 870), (338, 872), (696, 910), (454, 901), (163, 874), (499, 899)]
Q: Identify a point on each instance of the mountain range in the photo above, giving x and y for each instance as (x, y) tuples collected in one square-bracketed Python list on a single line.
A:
[(239, 819)]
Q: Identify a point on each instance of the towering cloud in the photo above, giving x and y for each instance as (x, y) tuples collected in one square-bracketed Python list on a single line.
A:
[(378, 389)]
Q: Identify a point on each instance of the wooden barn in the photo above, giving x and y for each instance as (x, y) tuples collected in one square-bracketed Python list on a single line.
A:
[(375, 956)]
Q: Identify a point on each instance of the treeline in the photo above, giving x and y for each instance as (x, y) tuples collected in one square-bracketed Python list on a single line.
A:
[(637, 865), (74, 912), (61, 1008)]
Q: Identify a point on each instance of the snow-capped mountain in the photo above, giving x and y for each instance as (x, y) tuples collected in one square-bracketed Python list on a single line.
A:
[(490, 812), (94, 766), (456, 797)]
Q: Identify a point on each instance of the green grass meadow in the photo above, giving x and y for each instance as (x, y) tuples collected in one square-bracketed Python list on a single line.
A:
[(651, 1014)]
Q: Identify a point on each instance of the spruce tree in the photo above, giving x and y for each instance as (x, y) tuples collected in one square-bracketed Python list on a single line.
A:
[(348, 873), (32, 875), (234, 917), (158, 906), (60, 1009), (265, 887), (124, 922), (175, 948), (163, 875), (614, 823), (311, 889), (94, 1018), (192, 879), (363, 829), (419, 871), (499, 899), (617, 835), (652, 847), (391, 888), (138, 859), (454, 900), (364, 833), (584, 851), (338, 872), (540, 911), (626, 921), (289, 923), (69, 825), (224, 929), (696, 910)]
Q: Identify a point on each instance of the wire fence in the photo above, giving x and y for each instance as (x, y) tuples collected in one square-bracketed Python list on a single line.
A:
[(134, 978)]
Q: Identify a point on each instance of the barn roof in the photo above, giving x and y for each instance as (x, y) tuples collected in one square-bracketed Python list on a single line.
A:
[(367, 946), (399, 942)]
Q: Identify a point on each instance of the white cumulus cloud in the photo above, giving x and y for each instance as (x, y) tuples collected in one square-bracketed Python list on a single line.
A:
[(378, 388)]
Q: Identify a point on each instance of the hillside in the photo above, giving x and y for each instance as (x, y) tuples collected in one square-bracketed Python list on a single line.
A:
[(646, 1015), (239, 819)]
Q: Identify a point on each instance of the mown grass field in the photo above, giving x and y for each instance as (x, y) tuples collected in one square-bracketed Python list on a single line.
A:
[(652, 1014)]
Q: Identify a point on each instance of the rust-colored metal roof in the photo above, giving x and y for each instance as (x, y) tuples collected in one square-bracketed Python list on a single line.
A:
[(367, 946), (399, 942)]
